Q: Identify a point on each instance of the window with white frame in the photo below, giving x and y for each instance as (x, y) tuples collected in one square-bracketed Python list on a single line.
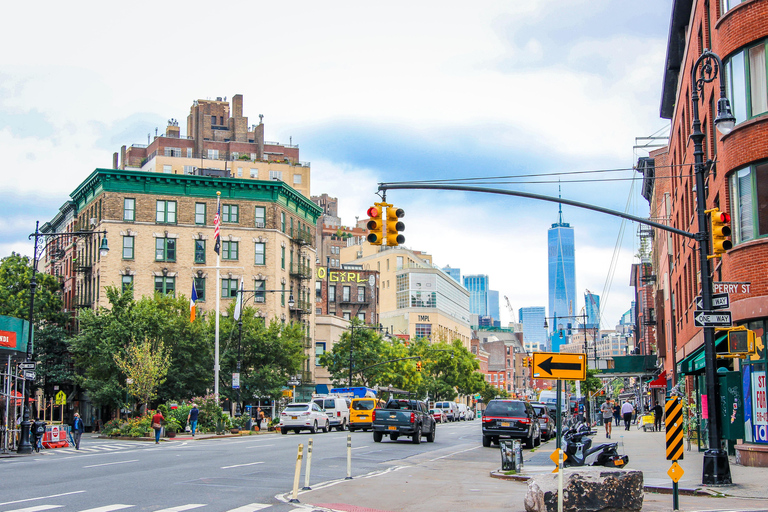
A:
[(749, 202), (297, 179), (261, 216), (189, 169), (168, 169), (254, 173), (276, 175), (172, 152), (213, 154)]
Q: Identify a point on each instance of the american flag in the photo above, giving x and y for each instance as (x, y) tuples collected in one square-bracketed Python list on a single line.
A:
[(217, 228)]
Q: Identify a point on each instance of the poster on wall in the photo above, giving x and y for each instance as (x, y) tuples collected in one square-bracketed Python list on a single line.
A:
[(760, 419), (746, 384)]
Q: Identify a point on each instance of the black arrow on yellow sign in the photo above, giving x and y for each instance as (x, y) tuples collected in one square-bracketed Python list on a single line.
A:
[(547, 365)]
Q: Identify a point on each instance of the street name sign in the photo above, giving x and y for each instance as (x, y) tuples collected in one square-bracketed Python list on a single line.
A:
[(719, 301), (560, 366), (704, 318), (731, 287), (28, 365)]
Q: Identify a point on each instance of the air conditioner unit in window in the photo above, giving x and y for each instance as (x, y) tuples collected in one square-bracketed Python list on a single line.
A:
[(93, 221), (258, 299), (260, 224)]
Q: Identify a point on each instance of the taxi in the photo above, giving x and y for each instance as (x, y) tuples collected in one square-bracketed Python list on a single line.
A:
[(361, 412)]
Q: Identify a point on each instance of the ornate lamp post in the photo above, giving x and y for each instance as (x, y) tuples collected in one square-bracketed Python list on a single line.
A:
[(25, 447), (706, 69)]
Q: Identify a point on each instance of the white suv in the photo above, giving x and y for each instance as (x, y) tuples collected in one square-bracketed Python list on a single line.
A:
[(337, 409), (303, 416)]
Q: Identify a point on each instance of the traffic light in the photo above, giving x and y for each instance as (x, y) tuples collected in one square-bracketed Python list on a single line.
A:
[(395, 226), (525, 362), (375, 224), (720, 230), (418, 366), (741, 342)]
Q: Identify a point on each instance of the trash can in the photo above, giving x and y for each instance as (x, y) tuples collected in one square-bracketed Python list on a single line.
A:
[(508, 459)]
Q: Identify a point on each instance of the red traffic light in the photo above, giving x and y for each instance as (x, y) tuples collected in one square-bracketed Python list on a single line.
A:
[(721, 216), (373, 211)]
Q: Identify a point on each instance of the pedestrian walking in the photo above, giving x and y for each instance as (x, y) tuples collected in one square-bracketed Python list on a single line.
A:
[(607, 410), (192, 418), (617, 413), (626, 411), (77, 430), (260, 416), (658, 413), (157, 424)]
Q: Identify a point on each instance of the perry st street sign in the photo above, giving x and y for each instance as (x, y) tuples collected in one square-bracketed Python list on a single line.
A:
[(712, 318), (719, 301)]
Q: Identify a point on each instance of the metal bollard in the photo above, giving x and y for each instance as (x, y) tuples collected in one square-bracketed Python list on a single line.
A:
[(349, 457), (295, 498), (309, 464)]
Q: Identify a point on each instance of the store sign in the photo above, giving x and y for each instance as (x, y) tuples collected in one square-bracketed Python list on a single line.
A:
[(341, 276), (759, 406), (8, 339)]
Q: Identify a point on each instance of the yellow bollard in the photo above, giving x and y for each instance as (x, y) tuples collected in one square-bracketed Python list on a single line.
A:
[(295, 498), (309, 464)]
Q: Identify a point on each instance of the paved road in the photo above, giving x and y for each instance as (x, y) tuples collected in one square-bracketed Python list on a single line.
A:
[(237, 475)]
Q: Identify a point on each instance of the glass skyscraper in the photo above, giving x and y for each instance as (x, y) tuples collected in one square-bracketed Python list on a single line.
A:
[(534, 332), (455, 273), (562, 273), (493, 305), (592, 306), (477, 285)]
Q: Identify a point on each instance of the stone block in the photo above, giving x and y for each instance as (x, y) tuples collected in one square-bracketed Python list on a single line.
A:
[(587, 490)]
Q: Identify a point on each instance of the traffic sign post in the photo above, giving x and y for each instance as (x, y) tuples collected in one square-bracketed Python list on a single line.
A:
[(719, 301), (560, 366), (709, 318)]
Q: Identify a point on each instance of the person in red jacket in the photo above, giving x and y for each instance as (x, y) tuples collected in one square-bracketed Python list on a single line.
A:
[(157, 424)]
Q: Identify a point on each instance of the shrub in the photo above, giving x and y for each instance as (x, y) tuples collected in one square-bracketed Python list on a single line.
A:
[(112, 427)]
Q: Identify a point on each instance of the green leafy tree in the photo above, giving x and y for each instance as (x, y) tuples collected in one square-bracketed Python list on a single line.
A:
[(449, 369), (368, 349), (145, 365)]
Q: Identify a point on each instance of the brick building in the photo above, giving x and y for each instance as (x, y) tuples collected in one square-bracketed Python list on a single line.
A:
[(737, 183)]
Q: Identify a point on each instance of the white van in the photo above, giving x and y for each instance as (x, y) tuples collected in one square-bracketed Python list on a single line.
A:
[(463, 412), (336, 408), (451, 410)]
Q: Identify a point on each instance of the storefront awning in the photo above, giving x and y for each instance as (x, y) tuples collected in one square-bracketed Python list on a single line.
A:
[(660, 381), (694, 363)]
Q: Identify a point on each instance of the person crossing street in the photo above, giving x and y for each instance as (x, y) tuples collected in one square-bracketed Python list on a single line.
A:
[(77, 430)]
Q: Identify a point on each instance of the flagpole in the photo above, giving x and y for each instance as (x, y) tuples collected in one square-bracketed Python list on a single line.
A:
[(218, 301)]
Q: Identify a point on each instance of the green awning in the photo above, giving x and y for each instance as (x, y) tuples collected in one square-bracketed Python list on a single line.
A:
[(694, 363)]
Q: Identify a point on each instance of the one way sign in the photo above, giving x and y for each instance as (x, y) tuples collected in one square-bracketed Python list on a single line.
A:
[(719, 301), (712, 318)]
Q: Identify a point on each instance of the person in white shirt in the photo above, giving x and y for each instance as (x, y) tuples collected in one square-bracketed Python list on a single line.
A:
[(626, 410), (607, 410)]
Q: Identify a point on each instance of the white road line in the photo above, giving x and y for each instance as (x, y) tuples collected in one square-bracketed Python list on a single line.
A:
[(454, 453), (108, 508), (241, 465), (253, 507), (182, 507), (41, 498), (36, 509), (360, 447), (258, 446), (111, 463)]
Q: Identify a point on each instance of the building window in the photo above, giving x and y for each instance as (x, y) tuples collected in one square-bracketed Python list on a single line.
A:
[(346, 315), (254, 173), (213, 154), (399, 263), (276, 175), (746, 79), (129, 209), (189, 169), (749, 203), (229, 250), (127, 283), (128, 247), (332, 293), (360, 294), (261, 216), (423, 330), (200, 288), (345, 293), (228, 288), (282, 295), (166, 212), (165, 285), (239, 171), (200, 214), (165, 249), (172, 151), (168, 169), (189, 153), (230, 213), (282, 222), (319, 351), (282, 258), (199, 251), (318, 291), (361, 316), (259, 295), (259, 253), (297, 179)]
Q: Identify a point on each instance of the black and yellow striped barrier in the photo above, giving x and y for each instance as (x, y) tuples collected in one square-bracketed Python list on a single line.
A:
[(674, 427)]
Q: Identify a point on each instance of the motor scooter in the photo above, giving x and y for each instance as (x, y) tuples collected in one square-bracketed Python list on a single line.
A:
[(577, 445)]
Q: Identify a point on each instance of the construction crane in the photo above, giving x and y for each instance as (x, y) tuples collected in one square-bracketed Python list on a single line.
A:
[(509, 307)]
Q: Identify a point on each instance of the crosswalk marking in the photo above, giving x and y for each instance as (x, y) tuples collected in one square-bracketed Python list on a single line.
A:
[(107, 508), (253, 507), (182, 507), (36, 509)]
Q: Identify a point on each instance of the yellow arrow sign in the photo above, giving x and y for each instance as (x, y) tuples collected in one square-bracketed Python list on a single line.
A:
[(555, 365), (675, 472)]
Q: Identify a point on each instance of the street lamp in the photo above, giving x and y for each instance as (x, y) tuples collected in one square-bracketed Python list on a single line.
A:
[(25, 447), (352, 328), (708, 66), (239, 319)]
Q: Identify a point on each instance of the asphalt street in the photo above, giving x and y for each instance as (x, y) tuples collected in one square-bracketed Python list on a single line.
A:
[(241, 474)]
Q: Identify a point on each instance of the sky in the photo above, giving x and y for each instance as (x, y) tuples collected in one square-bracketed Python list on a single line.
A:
[(371, 93)]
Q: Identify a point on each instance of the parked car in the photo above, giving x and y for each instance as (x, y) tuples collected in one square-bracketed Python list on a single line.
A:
[(546, 422), (337, 409), (515, 419), (403, 417), (299, 416), (450, 408), (438, 415), (361, 413)]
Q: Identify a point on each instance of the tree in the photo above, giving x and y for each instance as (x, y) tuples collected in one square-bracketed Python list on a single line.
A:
[(449, 369), (368, 349), (145, 365)]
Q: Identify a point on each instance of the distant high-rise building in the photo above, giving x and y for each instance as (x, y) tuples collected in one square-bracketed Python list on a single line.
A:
[(534, 332), (493, 305), (455, 273), (592, 307), (478, 293), (562, 271)]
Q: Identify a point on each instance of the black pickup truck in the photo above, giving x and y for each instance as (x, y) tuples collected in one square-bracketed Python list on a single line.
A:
[(403, 418)]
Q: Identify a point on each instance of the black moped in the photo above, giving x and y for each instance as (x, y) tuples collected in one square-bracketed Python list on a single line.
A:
[(577, 445)]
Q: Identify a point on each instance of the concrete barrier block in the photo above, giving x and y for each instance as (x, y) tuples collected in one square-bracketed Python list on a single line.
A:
[(591, 489)]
